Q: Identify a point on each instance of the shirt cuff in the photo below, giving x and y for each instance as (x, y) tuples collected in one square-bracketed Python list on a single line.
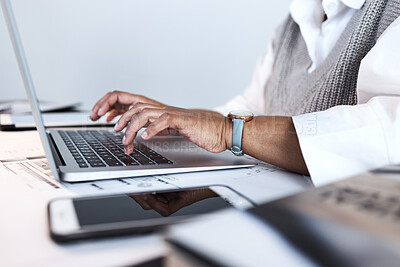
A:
[(237, 103), (341, 142)]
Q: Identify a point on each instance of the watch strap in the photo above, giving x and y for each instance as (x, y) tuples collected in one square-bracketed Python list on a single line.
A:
[(237, 132)]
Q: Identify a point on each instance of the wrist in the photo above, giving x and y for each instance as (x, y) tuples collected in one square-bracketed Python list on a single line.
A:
[(228, 125), (238, 120)]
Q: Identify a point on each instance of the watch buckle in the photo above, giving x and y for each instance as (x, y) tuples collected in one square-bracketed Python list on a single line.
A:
[(237, 151)]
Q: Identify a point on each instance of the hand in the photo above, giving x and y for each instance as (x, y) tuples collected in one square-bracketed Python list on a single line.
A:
[(208, 130), (117, 103), (168, 203)]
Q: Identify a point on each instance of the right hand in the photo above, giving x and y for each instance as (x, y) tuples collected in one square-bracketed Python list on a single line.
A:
[(170, 202), (117, 103)]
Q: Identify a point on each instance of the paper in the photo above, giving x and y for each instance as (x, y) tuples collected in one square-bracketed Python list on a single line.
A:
[(22, 106), (5, 107), (25, 239), (36, 173), (26, 187), (260, 183), (24, 156), (116, 186), (20, 146), (54, 120)]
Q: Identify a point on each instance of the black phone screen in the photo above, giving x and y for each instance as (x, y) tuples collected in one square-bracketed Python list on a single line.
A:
[(136, 207)]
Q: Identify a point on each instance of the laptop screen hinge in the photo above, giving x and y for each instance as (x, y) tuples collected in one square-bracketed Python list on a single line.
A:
[(56, 152)]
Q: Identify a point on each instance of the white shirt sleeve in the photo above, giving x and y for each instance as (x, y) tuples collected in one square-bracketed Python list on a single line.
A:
[(346, 140), (253, 97)]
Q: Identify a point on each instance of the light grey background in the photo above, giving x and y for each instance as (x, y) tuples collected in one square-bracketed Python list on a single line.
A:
[(190, 53)]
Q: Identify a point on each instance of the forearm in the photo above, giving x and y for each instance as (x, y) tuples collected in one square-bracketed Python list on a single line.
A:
[(273, 140), (211, 112)]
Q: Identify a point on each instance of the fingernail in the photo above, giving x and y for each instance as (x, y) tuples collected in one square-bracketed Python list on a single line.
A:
[(124, 139), (100, 112), (144, 135), (116, 127)]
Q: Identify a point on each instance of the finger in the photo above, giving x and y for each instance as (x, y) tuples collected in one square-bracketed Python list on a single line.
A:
[(113, 98), (124, 120), (158, 206), (139, 106), (138, 122), (95, 109), (161, 198), (123, 98), (168, 131), (141, 200), (127, 116), (107, 104), (112, 114), (164, 122)]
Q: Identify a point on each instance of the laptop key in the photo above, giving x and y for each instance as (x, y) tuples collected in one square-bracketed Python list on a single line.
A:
[(133, 163), (146, 162), (95, 161), (162, 160), (97, 164), (114, 163), (140, 157), (128, 160), (104, 148)]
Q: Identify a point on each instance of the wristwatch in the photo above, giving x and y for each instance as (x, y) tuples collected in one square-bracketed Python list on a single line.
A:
[(238, 118)]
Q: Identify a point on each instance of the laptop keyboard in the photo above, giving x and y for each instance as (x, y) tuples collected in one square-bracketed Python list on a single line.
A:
[(105, 149)]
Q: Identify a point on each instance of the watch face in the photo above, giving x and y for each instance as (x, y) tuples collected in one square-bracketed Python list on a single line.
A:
[(240, 114)]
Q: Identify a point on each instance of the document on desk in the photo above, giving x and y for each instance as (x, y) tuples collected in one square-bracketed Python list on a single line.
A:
[(20, 146), (23, 107), (23, 156), (25, 240), (27, 185), (56, 119), (260, 183), (36, 175)]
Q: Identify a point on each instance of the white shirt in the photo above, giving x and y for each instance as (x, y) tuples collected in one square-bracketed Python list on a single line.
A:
[(343, 140)]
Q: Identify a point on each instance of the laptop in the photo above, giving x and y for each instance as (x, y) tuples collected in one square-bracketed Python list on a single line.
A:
[(87, 154)]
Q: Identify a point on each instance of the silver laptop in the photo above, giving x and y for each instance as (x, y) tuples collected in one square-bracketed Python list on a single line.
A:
[(85, 154)]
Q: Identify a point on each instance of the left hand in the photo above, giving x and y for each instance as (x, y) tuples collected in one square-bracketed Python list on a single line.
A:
[(206, 129)]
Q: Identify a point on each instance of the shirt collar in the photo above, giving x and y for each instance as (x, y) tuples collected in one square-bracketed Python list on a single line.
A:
[(356, 4), (312, 10)]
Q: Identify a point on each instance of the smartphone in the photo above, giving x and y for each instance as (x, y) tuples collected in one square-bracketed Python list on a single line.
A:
[(112, 215)]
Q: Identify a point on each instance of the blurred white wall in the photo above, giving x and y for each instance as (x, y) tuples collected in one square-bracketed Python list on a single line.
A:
[(191, 53)]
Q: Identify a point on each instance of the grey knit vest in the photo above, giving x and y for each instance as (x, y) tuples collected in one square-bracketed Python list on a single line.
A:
[(291, 90)]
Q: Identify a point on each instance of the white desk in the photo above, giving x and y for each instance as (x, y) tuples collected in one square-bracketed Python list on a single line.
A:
[(24, 238)]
